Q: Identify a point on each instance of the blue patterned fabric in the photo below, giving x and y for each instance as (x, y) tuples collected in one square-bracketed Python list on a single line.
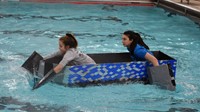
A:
[(134, 70)]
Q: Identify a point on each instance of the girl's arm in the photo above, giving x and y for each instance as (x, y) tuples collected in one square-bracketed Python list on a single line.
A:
[(69, 56), (152, 59), (58, 53), (58, 68)]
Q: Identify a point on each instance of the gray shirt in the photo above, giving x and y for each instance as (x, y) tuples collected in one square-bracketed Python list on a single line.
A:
[(73, 57)]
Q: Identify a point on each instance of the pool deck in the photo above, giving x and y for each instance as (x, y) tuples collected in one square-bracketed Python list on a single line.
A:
[(191, 9), (192, 3), (195, 4)]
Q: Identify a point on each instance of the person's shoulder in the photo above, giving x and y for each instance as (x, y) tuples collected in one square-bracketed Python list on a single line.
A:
[(72, 49), (140, 51), (139, 47)]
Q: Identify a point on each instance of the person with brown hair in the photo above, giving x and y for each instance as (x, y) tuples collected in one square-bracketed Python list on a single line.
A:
[(71, 56)]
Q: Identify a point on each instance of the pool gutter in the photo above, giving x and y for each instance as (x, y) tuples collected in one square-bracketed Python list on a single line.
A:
[(181, 9), (109, 2)]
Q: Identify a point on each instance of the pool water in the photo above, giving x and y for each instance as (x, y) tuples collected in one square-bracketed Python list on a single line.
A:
[(28, 27)]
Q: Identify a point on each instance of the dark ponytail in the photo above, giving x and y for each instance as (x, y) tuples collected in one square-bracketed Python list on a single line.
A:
[(136, 40)]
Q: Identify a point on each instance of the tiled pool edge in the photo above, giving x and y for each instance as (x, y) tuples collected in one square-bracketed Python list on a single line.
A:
[(108, 2)]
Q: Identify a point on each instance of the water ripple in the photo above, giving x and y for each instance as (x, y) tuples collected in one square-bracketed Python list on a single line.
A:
[(198, 25), (190, 101), (109, 8), (82, 19), (10, 103), (182, 109), (2, 59), (55, 34)]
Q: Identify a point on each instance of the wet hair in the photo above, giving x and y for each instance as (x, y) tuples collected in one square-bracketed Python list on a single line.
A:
[(69, 40), (136, 39)]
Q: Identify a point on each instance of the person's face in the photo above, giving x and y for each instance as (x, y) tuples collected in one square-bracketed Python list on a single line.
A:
[(125, 41), (62, 47)]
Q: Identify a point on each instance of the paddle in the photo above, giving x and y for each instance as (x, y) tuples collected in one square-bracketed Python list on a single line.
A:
[(50, 75), (32, 63), (160, 76)]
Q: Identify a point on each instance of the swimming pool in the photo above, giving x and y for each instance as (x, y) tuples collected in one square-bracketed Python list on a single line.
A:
[(25, 27)]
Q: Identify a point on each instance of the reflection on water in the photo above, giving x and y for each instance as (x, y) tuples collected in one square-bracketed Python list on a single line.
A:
[(9, 103), (1, 59), (182, 110), (53, 34), (109, 8), (82, 19)]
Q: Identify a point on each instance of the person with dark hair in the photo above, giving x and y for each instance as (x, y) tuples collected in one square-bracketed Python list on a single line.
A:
[(138, 49), (70, 56)]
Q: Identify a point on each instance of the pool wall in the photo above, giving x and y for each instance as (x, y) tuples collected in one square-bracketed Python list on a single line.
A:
[(109, 2), (184, 10)]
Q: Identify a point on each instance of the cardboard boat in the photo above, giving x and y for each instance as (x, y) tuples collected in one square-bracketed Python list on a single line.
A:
[(110, 68)]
